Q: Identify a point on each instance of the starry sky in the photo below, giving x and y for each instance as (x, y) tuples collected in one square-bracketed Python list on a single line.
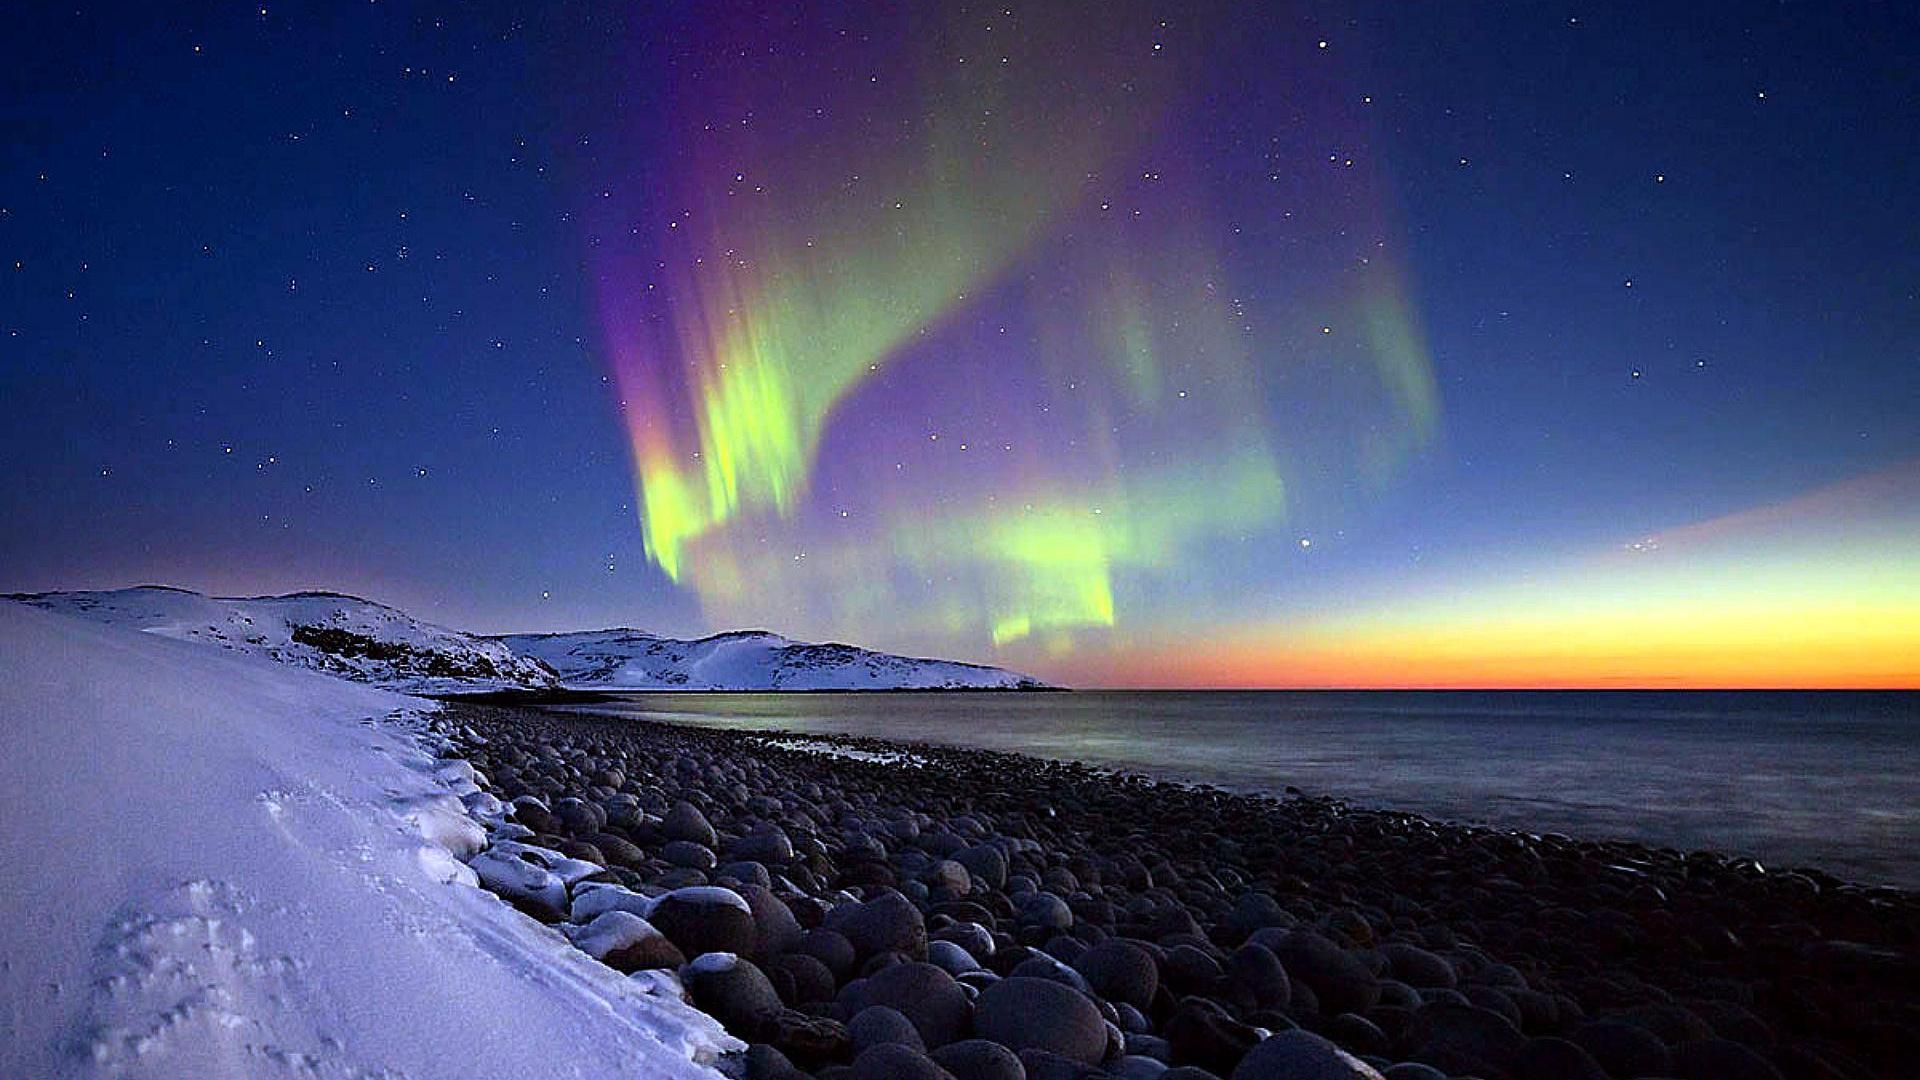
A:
[(1291, 344)]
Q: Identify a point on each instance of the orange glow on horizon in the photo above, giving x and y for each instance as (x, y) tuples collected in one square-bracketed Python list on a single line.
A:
[(1818, 592)]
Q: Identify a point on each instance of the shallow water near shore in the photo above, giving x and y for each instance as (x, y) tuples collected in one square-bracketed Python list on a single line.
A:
[(1829, 780)]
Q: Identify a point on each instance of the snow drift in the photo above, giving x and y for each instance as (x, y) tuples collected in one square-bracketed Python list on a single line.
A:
[(216, 867)]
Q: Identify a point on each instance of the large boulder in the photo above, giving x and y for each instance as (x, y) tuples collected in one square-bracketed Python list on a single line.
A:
[(1120, 970), (1417, 967), (891, 1061), (878, 1024), (926, 995), (1301, 1055), (705, 918), (985, 862), (733, 991), (979, 1059), (1021, 1013), (625, 942), (1341, 982), (686, 822), (887, 923), (775, 930), (1463, 1039)]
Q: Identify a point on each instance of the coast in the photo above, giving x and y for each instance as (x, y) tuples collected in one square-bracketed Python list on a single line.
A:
[(876, 909)]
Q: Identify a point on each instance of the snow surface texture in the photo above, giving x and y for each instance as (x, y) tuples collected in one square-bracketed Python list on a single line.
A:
[(341, 635), (745, 660), (216, 867)]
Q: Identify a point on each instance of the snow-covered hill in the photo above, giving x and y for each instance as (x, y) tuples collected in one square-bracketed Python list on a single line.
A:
[(221, 868), (340, 635), (745, 660)]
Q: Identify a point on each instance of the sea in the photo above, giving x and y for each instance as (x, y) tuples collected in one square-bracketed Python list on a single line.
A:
[(1821, 779)]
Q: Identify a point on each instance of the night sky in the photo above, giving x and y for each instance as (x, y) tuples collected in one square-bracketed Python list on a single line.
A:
[(1287, 344)]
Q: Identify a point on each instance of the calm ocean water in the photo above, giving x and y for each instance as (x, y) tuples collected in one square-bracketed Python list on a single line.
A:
[(1794, 779)]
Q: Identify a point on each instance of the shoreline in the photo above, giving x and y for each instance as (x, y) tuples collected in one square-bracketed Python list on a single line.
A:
[(1480, 951), (567, 695)]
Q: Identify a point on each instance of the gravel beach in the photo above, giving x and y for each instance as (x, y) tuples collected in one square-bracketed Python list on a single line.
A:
[(872, 910)]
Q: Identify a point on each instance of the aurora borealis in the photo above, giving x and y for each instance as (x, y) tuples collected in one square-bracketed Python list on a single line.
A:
[(1031, 262), (1301, 344)]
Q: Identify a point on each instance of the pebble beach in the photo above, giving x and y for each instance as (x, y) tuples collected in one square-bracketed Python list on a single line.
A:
[(857, 908)]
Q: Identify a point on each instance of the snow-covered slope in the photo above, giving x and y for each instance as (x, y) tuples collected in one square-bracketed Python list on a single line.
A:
[(340, 635), (745, 660), (217, 867)]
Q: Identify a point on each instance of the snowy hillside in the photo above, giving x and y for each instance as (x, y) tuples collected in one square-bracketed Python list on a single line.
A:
[(745, 660), (340, 635), (222, 868)]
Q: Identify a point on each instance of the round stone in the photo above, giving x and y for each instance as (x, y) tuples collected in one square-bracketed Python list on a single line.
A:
[(1024, 1013)]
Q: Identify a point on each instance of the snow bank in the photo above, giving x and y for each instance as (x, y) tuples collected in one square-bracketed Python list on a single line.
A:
[(216, 867), (341, 635)]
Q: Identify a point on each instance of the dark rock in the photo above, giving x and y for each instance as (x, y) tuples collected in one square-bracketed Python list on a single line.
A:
[(927, 996), (1136, 1068), (775, 930), (1463, 1039), (686, 823), (768, 845), (888, 922), (811, 980), (1556, 1059), (878, 1024), (891, 1061), (1201, 1033), (1259, 977), (1301, 1055), (732, 991), (1046, 911), (1417, 967), (765, 1062), (1340, 982), (1720, 1059), (704, 919), (1357, 1035), (831, 948), (986, 863), (951, 958), (1624, 1049), (807, 1039), (979, 1059), (1023, 1013), (1043, 1065), (692, 856), (1120, 970)]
